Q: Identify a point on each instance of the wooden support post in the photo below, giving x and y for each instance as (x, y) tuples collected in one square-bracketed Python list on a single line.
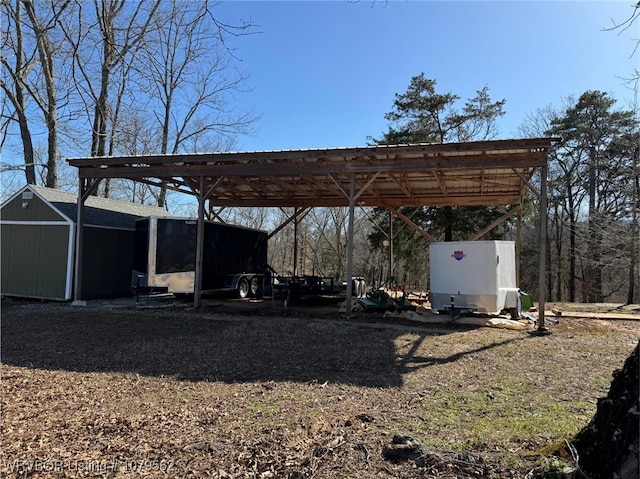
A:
[(390, 247), (519, 244), (85, 187), (295, 242), (352, 204), (197, 287), (543, 250)]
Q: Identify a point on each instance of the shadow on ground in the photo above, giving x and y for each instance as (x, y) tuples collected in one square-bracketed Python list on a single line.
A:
[(209, 347)]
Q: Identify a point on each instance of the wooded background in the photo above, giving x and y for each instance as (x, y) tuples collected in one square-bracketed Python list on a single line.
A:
[(109, 77)]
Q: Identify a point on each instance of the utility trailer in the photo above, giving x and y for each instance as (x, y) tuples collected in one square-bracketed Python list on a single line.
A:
[(474, 276), (304, 287), (234, 257), (311, 287)]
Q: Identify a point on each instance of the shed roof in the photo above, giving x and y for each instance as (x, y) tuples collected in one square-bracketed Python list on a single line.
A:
[(98, 211), (470, 173)]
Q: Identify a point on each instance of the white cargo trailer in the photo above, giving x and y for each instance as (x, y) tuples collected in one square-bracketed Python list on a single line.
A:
[(477, 276)]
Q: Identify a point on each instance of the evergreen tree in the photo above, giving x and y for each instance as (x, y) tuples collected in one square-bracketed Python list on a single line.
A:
[(423, 115), (596, 153)]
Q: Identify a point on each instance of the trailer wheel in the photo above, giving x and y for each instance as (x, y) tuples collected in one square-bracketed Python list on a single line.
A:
[(515, 313), (362, 288), (255, 287), (243, 288)]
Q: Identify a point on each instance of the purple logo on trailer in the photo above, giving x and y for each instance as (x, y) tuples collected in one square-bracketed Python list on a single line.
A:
[(458, 255)]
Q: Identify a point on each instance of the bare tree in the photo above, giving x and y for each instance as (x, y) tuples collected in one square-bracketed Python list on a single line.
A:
[(187, 74), (621, 26), (103, 40), (48, 49), (14, 79)]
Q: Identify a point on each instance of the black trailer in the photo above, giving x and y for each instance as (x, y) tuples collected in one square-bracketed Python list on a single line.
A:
[(234, 257)]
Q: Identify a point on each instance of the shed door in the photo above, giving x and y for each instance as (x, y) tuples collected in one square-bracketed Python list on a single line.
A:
[(35, 260)]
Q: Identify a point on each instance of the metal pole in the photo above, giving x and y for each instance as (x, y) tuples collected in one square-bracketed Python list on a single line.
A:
[(518, 244), (390, 246), (295, 242), (543, 250), (77, 290), (352, 204), (84, 190), (197, 287)]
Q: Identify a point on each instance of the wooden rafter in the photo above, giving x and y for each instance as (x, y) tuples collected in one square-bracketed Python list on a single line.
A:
[(441, 183), (402, 184)]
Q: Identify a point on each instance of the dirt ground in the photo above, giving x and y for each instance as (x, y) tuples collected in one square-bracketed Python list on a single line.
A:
[(251, 389)]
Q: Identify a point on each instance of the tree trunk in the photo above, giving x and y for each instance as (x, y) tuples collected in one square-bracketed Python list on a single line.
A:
[(594, 276), (608, 445), (27, 148), (19, 102), (559, 252), (572, 257), (448, 227), (633, 258), (634, 244), (50, 109), (52, 154)]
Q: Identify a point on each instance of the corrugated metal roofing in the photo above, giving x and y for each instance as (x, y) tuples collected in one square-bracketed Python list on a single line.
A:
[(471, 173)]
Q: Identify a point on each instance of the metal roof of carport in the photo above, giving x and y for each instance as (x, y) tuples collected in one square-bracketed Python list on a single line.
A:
[(493, 172), (471, 173)]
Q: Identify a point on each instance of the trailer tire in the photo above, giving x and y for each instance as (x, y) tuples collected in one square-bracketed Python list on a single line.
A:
[(516, 313), (254, 289), (243, 288)]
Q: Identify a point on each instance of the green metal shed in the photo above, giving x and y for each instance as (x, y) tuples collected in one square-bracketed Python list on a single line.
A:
[(37, 234)]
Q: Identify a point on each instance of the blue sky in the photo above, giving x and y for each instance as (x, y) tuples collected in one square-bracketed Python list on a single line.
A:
[(324, 74)]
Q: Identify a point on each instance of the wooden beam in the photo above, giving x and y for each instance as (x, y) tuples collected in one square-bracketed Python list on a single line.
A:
[(411, 224), (401, 184), (301, 213), (216, 214), (366, 185), (510, 198), (526, 181), (495, 223), (441, 183)]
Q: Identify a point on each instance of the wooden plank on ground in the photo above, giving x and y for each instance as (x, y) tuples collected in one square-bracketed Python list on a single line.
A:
[(584, 314)]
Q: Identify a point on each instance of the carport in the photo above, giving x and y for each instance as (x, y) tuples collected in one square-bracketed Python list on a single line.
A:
[(452, 174)]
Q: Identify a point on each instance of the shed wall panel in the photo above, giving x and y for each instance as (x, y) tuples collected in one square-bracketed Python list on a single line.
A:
[(37, 210), (34, 260)]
